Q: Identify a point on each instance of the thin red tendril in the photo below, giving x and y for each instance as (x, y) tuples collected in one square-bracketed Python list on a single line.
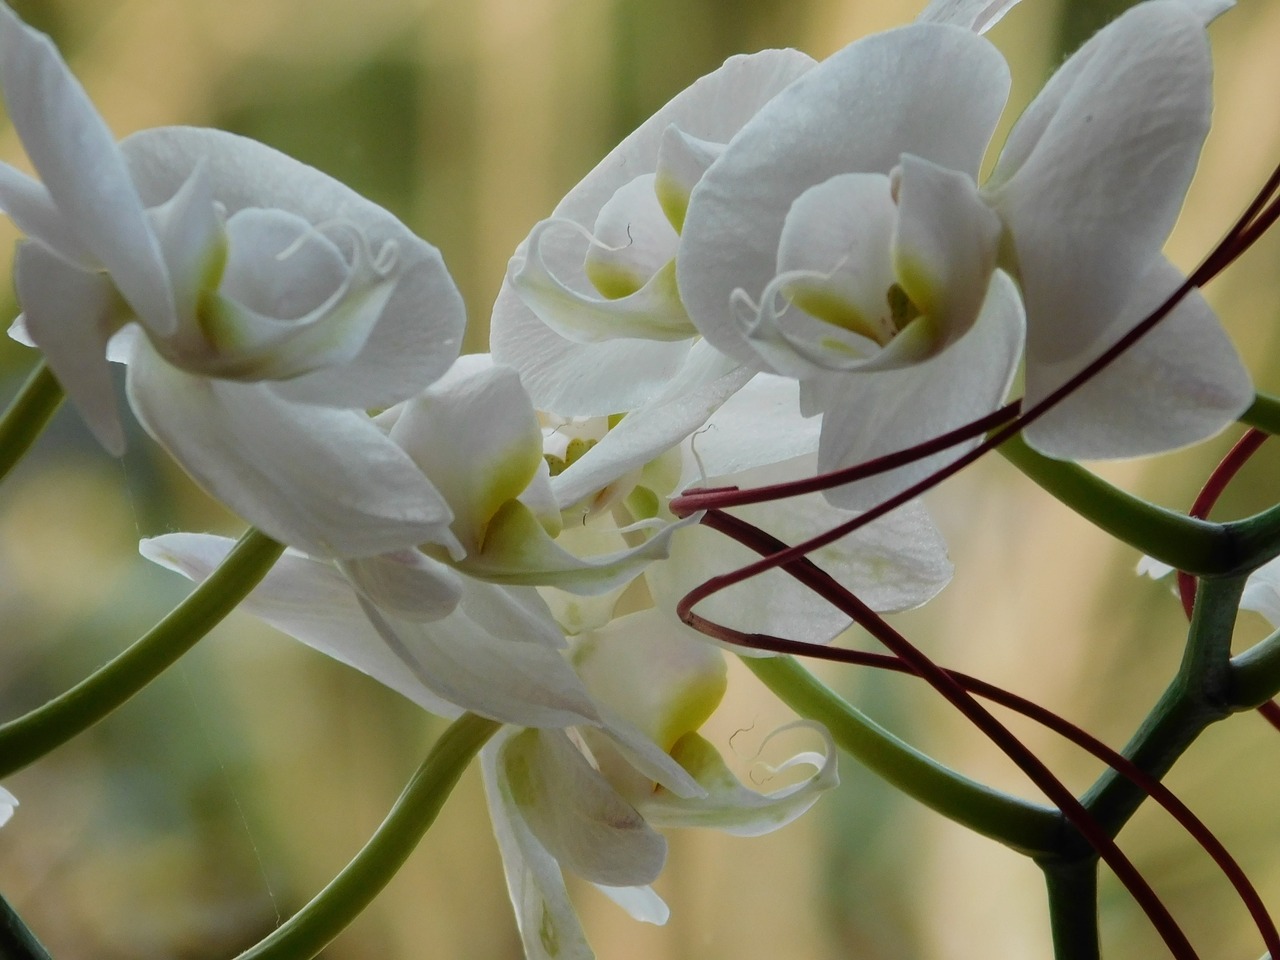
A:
[(1075, 812)]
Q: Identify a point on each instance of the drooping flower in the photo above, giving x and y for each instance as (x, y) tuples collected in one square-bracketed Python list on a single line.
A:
[(573, 801), (841, 238), (261, 307)]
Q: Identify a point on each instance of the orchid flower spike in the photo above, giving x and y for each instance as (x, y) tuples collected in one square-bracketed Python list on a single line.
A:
[(261, 307), (841, 238)]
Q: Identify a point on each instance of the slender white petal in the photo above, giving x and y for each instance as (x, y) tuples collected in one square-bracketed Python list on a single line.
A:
[(1181, 383), (312, 602), (28, 204), (7, 803), (419, 331), (875, 414), (1262, 592), (931, 90), (193, 242), (70, 315), (326, 481), (734, 808), (406, 584), (1094, 174), (976, 15), (642, 903), (81, 167), (503, 678), (548, 925), (575, 814)]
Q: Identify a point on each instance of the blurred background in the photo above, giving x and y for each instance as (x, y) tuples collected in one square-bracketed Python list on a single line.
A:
[(220, 799)]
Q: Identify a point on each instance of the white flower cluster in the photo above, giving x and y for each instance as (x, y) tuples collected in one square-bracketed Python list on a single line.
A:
[(790, 267)]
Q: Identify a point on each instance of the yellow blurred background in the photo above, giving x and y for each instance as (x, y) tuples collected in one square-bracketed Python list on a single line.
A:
[(220, 799)]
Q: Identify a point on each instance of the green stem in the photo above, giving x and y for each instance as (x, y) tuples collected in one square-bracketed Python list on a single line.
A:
[(1197, 697), (17, 942), (1073, 908), (30, 737), (1027, 827), (1255, 674), (1264, 414), (1185, 543), (27, 415), (308, 931)]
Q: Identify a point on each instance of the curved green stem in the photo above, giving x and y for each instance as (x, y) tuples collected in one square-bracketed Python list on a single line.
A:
[(308, 931), (27, 415), (1185, 543), (1027, 827), (1255, 674), (1264, 414), (30, 737)]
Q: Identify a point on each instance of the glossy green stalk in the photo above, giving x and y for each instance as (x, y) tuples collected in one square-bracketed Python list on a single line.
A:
[(1264, 414), (1027, 827), (1073, 908), (30, 737), (1185, 543), (312, 928), (27, 416)]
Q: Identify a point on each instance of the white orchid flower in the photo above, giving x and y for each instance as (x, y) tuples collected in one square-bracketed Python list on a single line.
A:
[(841, 238), (7, 804), (589, 312), (260, 305), (575, 801)]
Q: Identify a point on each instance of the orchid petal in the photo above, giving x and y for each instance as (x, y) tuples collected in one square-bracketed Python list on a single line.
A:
[(288, 304), (70, 315), (733, 439), (734, 808), (875, 414), (518, 550), (82, 168), (548, 925), (7, 803), (311, 601), (1094, 174), (598, 379), (707, 379), (503, 678), (1262, 592), (654, 673), (945, 248), (476, 470), (406, 584), (641, 903), (931, 90), (575, 814), (419, 330), (896, 563), (652, 312), (632, 240), (1180, 383), (32, 211), (194, 245), (682, 160), (976, 15), (326, 481)]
